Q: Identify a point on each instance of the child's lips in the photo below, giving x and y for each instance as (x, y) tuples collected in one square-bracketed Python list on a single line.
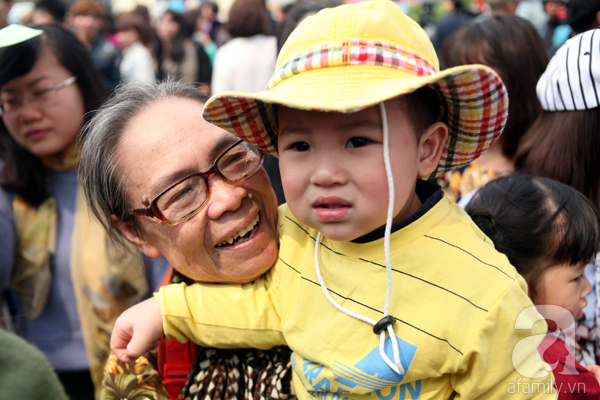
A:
[(329, 209)]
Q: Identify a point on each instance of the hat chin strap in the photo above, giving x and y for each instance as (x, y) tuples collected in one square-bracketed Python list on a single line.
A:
[(395, 365)]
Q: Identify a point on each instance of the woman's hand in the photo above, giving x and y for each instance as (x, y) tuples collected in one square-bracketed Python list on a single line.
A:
[(137, 331)]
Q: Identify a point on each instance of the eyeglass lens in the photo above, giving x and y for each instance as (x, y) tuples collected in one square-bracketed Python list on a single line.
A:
[(42, 96), (189, 195)]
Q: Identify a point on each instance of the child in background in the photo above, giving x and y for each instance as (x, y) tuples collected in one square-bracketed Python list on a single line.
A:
[(133, 36), (549, 232), (366, 240), (563, 144)]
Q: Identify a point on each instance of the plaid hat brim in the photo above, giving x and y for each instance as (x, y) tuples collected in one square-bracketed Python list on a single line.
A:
[(476, 104)]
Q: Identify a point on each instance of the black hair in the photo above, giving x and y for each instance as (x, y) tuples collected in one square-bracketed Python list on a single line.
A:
[(248, 18), (56, 8), (23, 172), (296, 13), (536, 222), (564, 146), (511, 46), (177, 52), (423, 107)]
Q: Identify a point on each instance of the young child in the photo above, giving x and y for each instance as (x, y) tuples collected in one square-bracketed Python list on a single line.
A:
[(424, 308), (549, 232)]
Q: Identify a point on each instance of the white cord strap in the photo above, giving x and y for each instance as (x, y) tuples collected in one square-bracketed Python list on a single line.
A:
[(386, 323)]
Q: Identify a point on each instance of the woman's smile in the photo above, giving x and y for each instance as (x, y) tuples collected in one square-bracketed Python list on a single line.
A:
[(243, 235)]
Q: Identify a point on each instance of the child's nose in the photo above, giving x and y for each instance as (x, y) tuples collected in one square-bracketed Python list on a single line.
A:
[(327, 171), (587, 287)]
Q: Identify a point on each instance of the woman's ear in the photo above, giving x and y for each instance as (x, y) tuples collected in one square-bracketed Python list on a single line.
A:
[(431, 145), (132, 234)]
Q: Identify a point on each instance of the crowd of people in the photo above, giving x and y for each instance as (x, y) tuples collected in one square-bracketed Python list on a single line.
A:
[(262, 173)]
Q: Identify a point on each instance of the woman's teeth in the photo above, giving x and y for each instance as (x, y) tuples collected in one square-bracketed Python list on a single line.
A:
[(243, 235)]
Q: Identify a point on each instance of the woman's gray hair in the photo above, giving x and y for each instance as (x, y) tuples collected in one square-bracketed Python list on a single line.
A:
[(104, 187)]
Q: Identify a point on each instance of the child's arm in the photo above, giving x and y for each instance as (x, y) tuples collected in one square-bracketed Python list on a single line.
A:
[(502, 360), (222, 315), (594, 369), (137, 331)]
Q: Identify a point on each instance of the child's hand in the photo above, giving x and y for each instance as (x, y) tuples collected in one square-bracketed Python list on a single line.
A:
[(594, 369), (137, 331)]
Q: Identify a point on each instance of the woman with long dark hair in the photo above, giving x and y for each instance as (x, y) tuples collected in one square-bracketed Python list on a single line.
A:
[(66, 280), (177, 55)]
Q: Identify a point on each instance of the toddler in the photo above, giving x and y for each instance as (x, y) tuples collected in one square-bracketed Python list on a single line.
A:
[(549, 232), (383, 287)]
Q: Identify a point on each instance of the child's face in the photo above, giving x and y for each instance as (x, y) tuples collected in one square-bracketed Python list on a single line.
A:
[(333, 173), (563, 285)]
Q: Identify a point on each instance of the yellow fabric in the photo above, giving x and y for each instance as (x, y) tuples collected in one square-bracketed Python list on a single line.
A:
[(358, 55), (32, 273), (66, 160), (107, 279), (36, 232), (454, 297), (459, 183)]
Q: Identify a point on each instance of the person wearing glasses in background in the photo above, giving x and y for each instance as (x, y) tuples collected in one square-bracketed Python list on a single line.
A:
[(63, 278)]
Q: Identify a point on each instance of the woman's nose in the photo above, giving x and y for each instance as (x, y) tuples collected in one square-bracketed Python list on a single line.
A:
[(223, 197), (30, 110), (327, 171)]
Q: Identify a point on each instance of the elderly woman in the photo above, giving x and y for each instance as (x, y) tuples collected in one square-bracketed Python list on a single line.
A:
[(157, 174)]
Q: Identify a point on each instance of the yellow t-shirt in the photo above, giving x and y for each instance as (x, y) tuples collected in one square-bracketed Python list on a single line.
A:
[(455, 300)]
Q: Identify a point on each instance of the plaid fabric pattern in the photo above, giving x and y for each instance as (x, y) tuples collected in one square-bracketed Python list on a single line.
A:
[(248, 119), (475, 111), (477, 108), (353, 52), (327, 60)]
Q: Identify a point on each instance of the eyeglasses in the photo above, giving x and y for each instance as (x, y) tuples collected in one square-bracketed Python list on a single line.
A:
[(185, 198), (42, 97)]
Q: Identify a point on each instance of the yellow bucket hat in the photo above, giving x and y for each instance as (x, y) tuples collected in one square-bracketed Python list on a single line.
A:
[(352, 57)]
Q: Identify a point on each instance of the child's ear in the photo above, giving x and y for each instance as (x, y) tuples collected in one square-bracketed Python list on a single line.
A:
[(133, 235), (431, 145)]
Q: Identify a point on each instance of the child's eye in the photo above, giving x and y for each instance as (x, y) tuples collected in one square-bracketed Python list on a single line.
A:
[(300, 146), (358, 142), (580, 277)]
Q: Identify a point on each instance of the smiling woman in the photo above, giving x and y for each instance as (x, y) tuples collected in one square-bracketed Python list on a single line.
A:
[(136, 150), (157, 174), (65, 279)]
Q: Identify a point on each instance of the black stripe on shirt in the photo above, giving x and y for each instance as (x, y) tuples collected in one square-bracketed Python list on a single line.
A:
[(381, 312)]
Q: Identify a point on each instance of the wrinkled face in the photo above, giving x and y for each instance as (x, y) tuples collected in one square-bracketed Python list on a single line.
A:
[(333, 173), (44, 129), (170, 140), (87, 27), (565, 286)]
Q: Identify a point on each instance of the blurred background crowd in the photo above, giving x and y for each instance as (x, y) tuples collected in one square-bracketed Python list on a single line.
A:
[(198, 40)]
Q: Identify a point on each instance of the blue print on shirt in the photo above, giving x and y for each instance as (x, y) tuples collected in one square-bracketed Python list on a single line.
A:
[(372, 372), (371, 376)]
